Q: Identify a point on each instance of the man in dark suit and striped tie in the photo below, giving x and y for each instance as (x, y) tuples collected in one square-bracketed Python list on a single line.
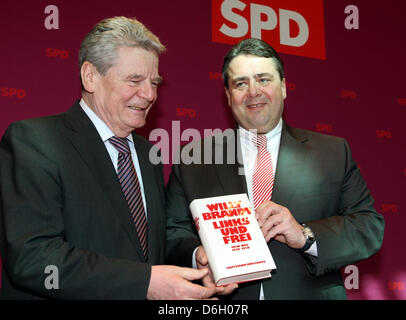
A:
[(311, 202), (78, 192)]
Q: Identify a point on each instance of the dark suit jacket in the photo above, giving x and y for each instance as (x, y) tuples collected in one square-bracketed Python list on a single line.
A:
[(62, 205), (319, 182)]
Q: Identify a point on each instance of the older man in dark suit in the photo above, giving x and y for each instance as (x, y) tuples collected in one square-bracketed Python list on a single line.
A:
[(313, 206), (80, 200)]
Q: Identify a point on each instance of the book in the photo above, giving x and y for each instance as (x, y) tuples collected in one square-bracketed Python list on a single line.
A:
[(233, 241)]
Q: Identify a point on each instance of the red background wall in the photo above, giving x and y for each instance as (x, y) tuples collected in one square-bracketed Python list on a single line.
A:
[(357, 92)]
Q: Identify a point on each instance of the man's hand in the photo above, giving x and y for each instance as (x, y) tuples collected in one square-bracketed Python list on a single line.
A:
[(174, 283), (208, 281), (278, 222)]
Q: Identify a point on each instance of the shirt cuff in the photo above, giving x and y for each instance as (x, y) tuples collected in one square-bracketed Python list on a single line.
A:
[(194, 264), (312, 250)]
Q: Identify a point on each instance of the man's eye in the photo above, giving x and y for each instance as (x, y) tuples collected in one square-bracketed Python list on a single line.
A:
[(240, 84), (264, 80)]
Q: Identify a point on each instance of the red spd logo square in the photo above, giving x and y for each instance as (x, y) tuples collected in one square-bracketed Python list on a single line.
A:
[(290, 26)]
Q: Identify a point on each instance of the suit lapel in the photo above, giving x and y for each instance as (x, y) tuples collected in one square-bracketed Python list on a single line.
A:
[(230, 180), (289, 172), (86, 140), (231, 176), (291, 163)]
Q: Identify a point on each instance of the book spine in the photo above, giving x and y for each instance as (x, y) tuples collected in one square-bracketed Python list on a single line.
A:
[(204, 234)]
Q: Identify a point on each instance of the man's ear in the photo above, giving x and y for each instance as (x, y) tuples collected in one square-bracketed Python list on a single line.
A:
[(283, 86), (228, 96), (89, 76)]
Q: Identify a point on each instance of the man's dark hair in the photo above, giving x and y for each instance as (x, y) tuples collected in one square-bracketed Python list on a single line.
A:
[(254, 47)]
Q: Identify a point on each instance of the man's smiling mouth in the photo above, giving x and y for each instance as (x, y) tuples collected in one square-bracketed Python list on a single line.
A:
[(256, 105)]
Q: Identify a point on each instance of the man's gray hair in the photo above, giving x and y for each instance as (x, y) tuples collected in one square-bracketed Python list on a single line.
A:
[(100, 45), (254, 47)]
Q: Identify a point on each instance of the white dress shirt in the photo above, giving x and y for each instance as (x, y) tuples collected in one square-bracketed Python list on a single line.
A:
[(105, 134)]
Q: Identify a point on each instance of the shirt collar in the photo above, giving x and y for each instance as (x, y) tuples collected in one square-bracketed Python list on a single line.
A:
[(247, 136), (101, 127)]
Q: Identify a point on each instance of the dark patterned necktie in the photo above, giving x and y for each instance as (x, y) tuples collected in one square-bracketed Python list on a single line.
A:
[(131, 188)]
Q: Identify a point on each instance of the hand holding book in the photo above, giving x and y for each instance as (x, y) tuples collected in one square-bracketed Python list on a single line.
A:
[(208, 281), (277, 222)]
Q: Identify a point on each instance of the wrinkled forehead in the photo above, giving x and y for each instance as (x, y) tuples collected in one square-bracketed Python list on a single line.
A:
[(251, 66), (136, 60)]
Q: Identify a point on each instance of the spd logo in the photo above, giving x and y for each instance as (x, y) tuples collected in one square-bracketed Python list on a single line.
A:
[(290, 26)]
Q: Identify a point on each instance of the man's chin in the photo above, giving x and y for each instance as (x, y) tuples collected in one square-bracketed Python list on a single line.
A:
[(138, 125), (137, 121)]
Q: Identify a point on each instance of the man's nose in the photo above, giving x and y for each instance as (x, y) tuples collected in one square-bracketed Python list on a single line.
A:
[(253, 89), (147, 91)]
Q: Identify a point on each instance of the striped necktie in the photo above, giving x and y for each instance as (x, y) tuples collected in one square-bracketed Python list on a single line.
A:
[(131, 188), (263, 176)]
